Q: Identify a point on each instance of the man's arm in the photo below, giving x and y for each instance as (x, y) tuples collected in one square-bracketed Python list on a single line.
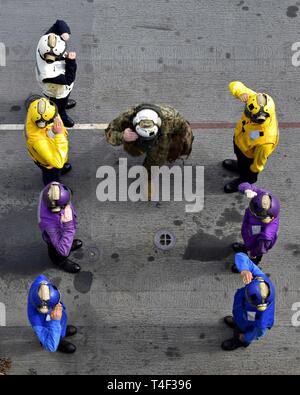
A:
[(53, 157), (245, 186), (261, 156), (253, 335), (49, 332), (244, 263), (62, 241), (237, 89), (65, 79), (50, 335), (115, 130)]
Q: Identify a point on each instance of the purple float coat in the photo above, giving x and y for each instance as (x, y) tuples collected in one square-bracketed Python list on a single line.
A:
[(60, 235), (258, 237)]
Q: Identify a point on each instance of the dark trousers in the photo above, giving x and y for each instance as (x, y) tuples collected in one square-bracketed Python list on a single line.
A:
[(244, 164), (55, 257), (50, 175), (255, 260), (61, 106), (236, 336)]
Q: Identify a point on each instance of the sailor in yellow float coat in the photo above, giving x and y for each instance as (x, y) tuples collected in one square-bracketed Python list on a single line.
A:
[(256, 135), (47, 140)]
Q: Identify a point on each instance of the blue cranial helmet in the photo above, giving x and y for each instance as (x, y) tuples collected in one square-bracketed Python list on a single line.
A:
[(258, 293), (44, 297)]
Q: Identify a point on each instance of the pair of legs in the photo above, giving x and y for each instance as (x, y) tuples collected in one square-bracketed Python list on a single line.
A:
[(239, 247), (53, 175), (180, 145), (63, 105), (64, 262), (241, 166), (234, 343)]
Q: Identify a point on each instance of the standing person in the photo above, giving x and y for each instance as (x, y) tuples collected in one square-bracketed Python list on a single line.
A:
[(56, 68), (256, 136), (160, 132), (48, 317), (47, 140), (57, 221), (254, 306), (260, 225)]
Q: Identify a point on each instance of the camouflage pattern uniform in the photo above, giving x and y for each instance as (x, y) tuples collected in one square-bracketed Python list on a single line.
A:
[(174, 140)]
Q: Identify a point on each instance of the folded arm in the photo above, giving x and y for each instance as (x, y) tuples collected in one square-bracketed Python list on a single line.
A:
[(53, 157), (237, 89), (62, 241), (50, 335), (253, 335), (65, 79)]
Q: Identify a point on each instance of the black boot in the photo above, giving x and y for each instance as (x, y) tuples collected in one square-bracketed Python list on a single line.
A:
[(77, 244), (231, 165), (66, 347), (71, 331), (71, 267), (229, 321), (233, 186), (71, 104), (66, 169), (68, 122), (239, 247), (232, 344)]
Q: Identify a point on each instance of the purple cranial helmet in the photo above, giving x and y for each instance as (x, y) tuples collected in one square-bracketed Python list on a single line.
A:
[(56, 196), (265, 207)]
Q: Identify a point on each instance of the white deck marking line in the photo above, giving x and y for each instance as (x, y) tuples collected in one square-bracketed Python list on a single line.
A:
[(195, 126), (83, 126)]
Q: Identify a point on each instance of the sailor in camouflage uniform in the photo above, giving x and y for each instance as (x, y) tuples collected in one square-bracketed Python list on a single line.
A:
[(160, 132)]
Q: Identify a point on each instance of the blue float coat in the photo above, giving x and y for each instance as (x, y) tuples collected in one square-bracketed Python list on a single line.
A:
[(49, 332), (252, 323)]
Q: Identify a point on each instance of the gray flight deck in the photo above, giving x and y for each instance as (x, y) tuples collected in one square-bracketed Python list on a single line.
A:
[(139, 310)]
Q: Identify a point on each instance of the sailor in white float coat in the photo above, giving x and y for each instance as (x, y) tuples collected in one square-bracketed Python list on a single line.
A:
[(56, 68)]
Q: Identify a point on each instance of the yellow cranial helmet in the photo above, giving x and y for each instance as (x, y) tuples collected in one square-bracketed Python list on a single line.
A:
[(43, 112), (260, 107)]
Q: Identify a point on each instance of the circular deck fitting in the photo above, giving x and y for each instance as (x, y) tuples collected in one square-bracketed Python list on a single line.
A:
[(165, 240)]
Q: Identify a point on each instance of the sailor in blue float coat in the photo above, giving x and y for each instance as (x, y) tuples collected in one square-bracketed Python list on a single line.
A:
[(254, 306), (48, 318)]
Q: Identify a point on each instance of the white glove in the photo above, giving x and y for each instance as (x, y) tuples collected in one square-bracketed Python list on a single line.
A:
[(250, 194)]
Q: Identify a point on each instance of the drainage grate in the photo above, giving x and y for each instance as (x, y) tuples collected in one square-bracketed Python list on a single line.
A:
[(165, 240)]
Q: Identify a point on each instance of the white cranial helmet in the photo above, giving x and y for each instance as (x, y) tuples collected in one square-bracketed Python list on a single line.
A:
[(147, 124), (51, 47)]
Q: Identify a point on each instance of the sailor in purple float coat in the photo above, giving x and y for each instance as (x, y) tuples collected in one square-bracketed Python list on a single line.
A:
[(54, 231), (260, 235), (57, 221)]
